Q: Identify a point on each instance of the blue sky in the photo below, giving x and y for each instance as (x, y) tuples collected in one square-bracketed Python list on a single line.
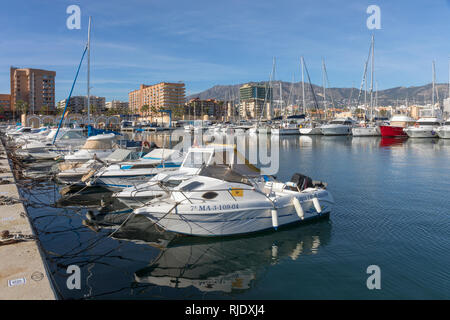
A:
[(204, 43)]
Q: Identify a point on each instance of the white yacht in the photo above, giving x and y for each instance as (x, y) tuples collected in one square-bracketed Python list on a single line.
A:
[(424, 128), (310, 128), (225, 200), (286, 128), (338, 127), (444, 131), (366, 130), (99, 146)]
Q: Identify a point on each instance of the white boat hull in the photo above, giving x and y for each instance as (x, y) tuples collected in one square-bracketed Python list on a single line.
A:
[(444, 132), (366, 131), (310, 131), (228, 218), (336, 130), (421, 132), (285, 131)]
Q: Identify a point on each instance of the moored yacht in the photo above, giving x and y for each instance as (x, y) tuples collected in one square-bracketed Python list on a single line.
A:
[(396, 126), (424, 128), (338, 126), (366, 130)]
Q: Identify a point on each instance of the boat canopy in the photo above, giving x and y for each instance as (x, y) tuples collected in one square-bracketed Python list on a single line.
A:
[(237, 173)]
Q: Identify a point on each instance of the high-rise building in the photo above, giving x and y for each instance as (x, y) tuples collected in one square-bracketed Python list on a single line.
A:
[(119, 106), (197, 108), (5, 103), (254, 100), (161, 96), (78, 104), (33, 86)]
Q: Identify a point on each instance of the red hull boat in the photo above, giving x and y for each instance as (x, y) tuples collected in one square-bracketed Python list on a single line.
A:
[(392, 131)]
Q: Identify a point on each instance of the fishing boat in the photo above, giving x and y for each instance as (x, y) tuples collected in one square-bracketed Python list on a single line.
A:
[(225, 200), (396, 126), (132, 173), (338, 126)]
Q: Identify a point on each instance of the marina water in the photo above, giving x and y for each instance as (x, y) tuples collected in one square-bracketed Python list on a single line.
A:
[(392, 206)]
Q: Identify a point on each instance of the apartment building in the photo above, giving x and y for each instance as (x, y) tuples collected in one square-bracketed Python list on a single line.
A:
[(196, 108), (161, 96), (78, 104), (5, 103), (254, 100), (35, 87)]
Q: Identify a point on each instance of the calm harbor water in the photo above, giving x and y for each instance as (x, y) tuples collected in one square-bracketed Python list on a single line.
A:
[(392, 210)]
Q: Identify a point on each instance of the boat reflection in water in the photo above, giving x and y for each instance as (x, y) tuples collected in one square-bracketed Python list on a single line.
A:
[(230, 264), (389, 141)]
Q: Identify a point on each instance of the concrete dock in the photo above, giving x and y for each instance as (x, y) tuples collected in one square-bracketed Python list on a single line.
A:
[(23, 269)]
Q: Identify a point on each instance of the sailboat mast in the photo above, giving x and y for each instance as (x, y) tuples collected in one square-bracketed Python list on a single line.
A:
[(324, 89), (432, 89), (372, 75), (88, 71), (303, 86)]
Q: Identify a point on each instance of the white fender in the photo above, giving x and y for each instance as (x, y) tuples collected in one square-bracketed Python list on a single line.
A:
[(298, 208), (317, 205), (274, 218)]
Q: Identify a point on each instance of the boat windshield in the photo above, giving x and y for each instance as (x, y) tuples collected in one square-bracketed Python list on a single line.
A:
[(196, 159), (72, 135), (447, 123)]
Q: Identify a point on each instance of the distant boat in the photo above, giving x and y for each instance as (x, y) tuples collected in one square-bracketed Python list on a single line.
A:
[(338, 127)]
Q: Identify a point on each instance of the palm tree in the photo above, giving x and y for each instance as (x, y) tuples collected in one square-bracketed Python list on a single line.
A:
[(45, 109), (21, 106)]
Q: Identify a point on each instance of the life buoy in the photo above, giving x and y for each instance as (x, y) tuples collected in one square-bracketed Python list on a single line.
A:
[(146, 144)]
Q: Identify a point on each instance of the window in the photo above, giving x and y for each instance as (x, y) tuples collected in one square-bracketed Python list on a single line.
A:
[(210, 195)]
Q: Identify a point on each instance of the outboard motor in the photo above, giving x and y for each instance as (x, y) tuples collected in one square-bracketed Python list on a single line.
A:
[(301, 181)]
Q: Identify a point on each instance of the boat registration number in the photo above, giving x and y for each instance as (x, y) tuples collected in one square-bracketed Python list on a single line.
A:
[(215, 207)]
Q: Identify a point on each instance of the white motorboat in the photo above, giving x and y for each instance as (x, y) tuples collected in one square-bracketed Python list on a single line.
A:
[(311, 128), (366, 130), (227, 200), (100, 146), (196, 158), (68, 140), (286, 128), (424, 128), (80, 172), (132, 173), (444, 131), (338, 126)]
